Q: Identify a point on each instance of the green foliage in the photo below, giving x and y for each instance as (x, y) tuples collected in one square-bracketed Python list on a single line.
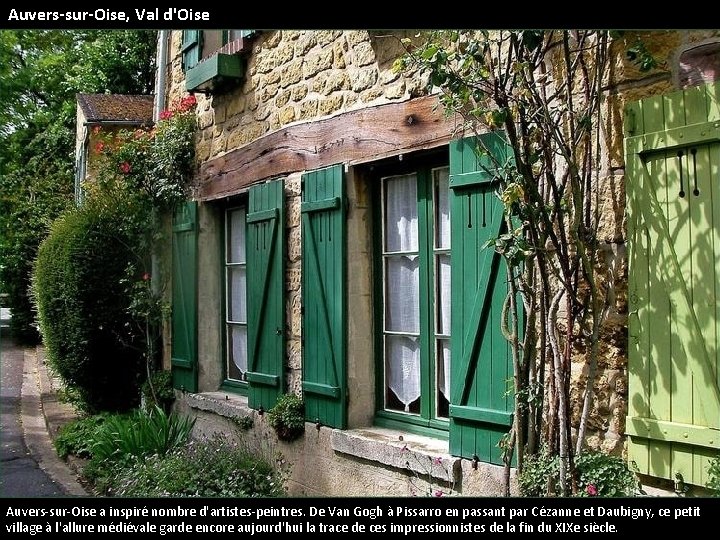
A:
[(214, 467), (92, 340), (538, 473), (598, 474), (604, 475), (77, 437), (713, 483), (157, 163), (287, 417), (140, 434), (245, 423), (41, 71), (157, 390)]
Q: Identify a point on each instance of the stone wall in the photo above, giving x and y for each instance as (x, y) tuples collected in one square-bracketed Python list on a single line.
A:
[(297, 76), (301, 76)]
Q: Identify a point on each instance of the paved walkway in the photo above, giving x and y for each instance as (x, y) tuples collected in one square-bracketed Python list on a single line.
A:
[(30, 413)]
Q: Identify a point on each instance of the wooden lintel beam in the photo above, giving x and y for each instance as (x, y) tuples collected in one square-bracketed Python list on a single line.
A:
[(354, 137)]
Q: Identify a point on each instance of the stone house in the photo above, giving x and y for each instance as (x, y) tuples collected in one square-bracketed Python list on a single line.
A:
[(109, 112), (316, 259)]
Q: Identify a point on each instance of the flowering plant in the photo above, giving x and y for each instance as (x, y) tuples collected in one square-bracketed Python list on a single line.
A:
[(156, 162), (147, 171)]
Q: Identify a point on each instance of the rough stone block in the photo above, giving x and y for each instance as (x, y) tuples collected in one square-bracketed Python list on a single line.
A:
[(325, 37), (308, 109), (282, 98), (317, 62), (336, 80), (339, 48), (291, 73), (395, 91), (363, 54), (298, 92), (304, 43), (362, 79), (370, 95), (292, 279), (331, 104), (287, 115)]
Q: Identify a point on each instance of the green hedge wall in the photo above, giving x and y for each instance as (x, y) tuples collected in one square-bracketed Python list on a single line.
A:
[(80, 286)]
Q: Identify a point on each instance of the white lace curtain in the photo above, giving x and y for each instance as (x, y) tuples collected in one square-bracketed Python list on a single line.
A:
[(237, 289), (402, 288)]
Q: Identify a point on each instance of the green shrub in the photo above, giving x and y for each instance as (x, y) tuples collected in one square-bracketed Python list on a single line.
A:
[(92, 341), (603, 475), (538, 471), (140, 434), (158, 390), (77, 437), (597, 473), (287, 417), (213, 467), (713, 483)]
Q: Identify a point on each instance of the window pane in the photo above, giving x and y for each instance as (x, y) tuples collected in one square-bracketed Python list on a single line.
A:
[(237, 351), (442, 210), (401, 213), (443, 376), (236, 290), (403, 368), (236, 236), (402, 291), (442, 275)]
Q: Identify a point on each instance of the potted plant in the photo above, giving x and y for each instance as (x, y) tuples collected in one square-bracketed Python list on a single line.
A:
[(287, 417)]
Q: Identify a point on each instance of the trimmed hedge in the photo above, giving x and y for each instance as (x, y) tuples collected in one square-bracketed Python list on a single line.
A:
[(82, 300)]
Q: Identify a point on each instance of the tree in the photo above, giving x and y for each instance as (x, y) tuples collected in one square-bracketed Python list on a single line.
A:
[(543, 91), (40, 73)]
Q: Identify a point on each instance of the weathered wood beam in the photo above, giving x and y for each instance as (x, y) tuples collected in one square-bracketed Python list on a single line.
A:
[(353, 137)]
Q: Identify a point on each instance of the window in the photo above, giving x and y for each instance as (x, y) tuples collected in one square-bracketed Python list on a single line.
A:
[(211, 58), (415, 325), (236, 334), (254, 303)]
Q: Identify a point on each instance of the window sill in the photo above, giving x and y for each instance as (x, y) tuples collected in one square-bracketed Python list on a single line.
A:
[(231, 406), (214, 73), (390, 447), (401, 450)]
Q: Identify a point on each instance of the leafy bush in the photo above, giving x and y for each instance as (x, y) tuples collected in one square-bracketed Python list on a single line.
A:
[(158, 390), (598, 474), (538, 470), (604, 475), (92, 340), (713, 483), (140, 434), (210, 468), (78, 436), (287, 417)]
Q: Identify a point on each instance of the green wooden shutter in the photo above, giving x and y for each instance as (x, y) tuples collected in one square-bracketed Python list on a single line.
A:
[(191, 46), (184, 297), (673, 195), (266, 301), (323, 287), (480, 406)]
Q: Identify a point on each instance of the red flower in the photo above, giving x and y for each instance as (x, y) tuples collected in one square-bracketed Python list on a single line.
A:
[(99, 147), (591, 490), (438, 493), (146, 277), (125, 167), (96, 130), (187, 103), (166, 115)]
